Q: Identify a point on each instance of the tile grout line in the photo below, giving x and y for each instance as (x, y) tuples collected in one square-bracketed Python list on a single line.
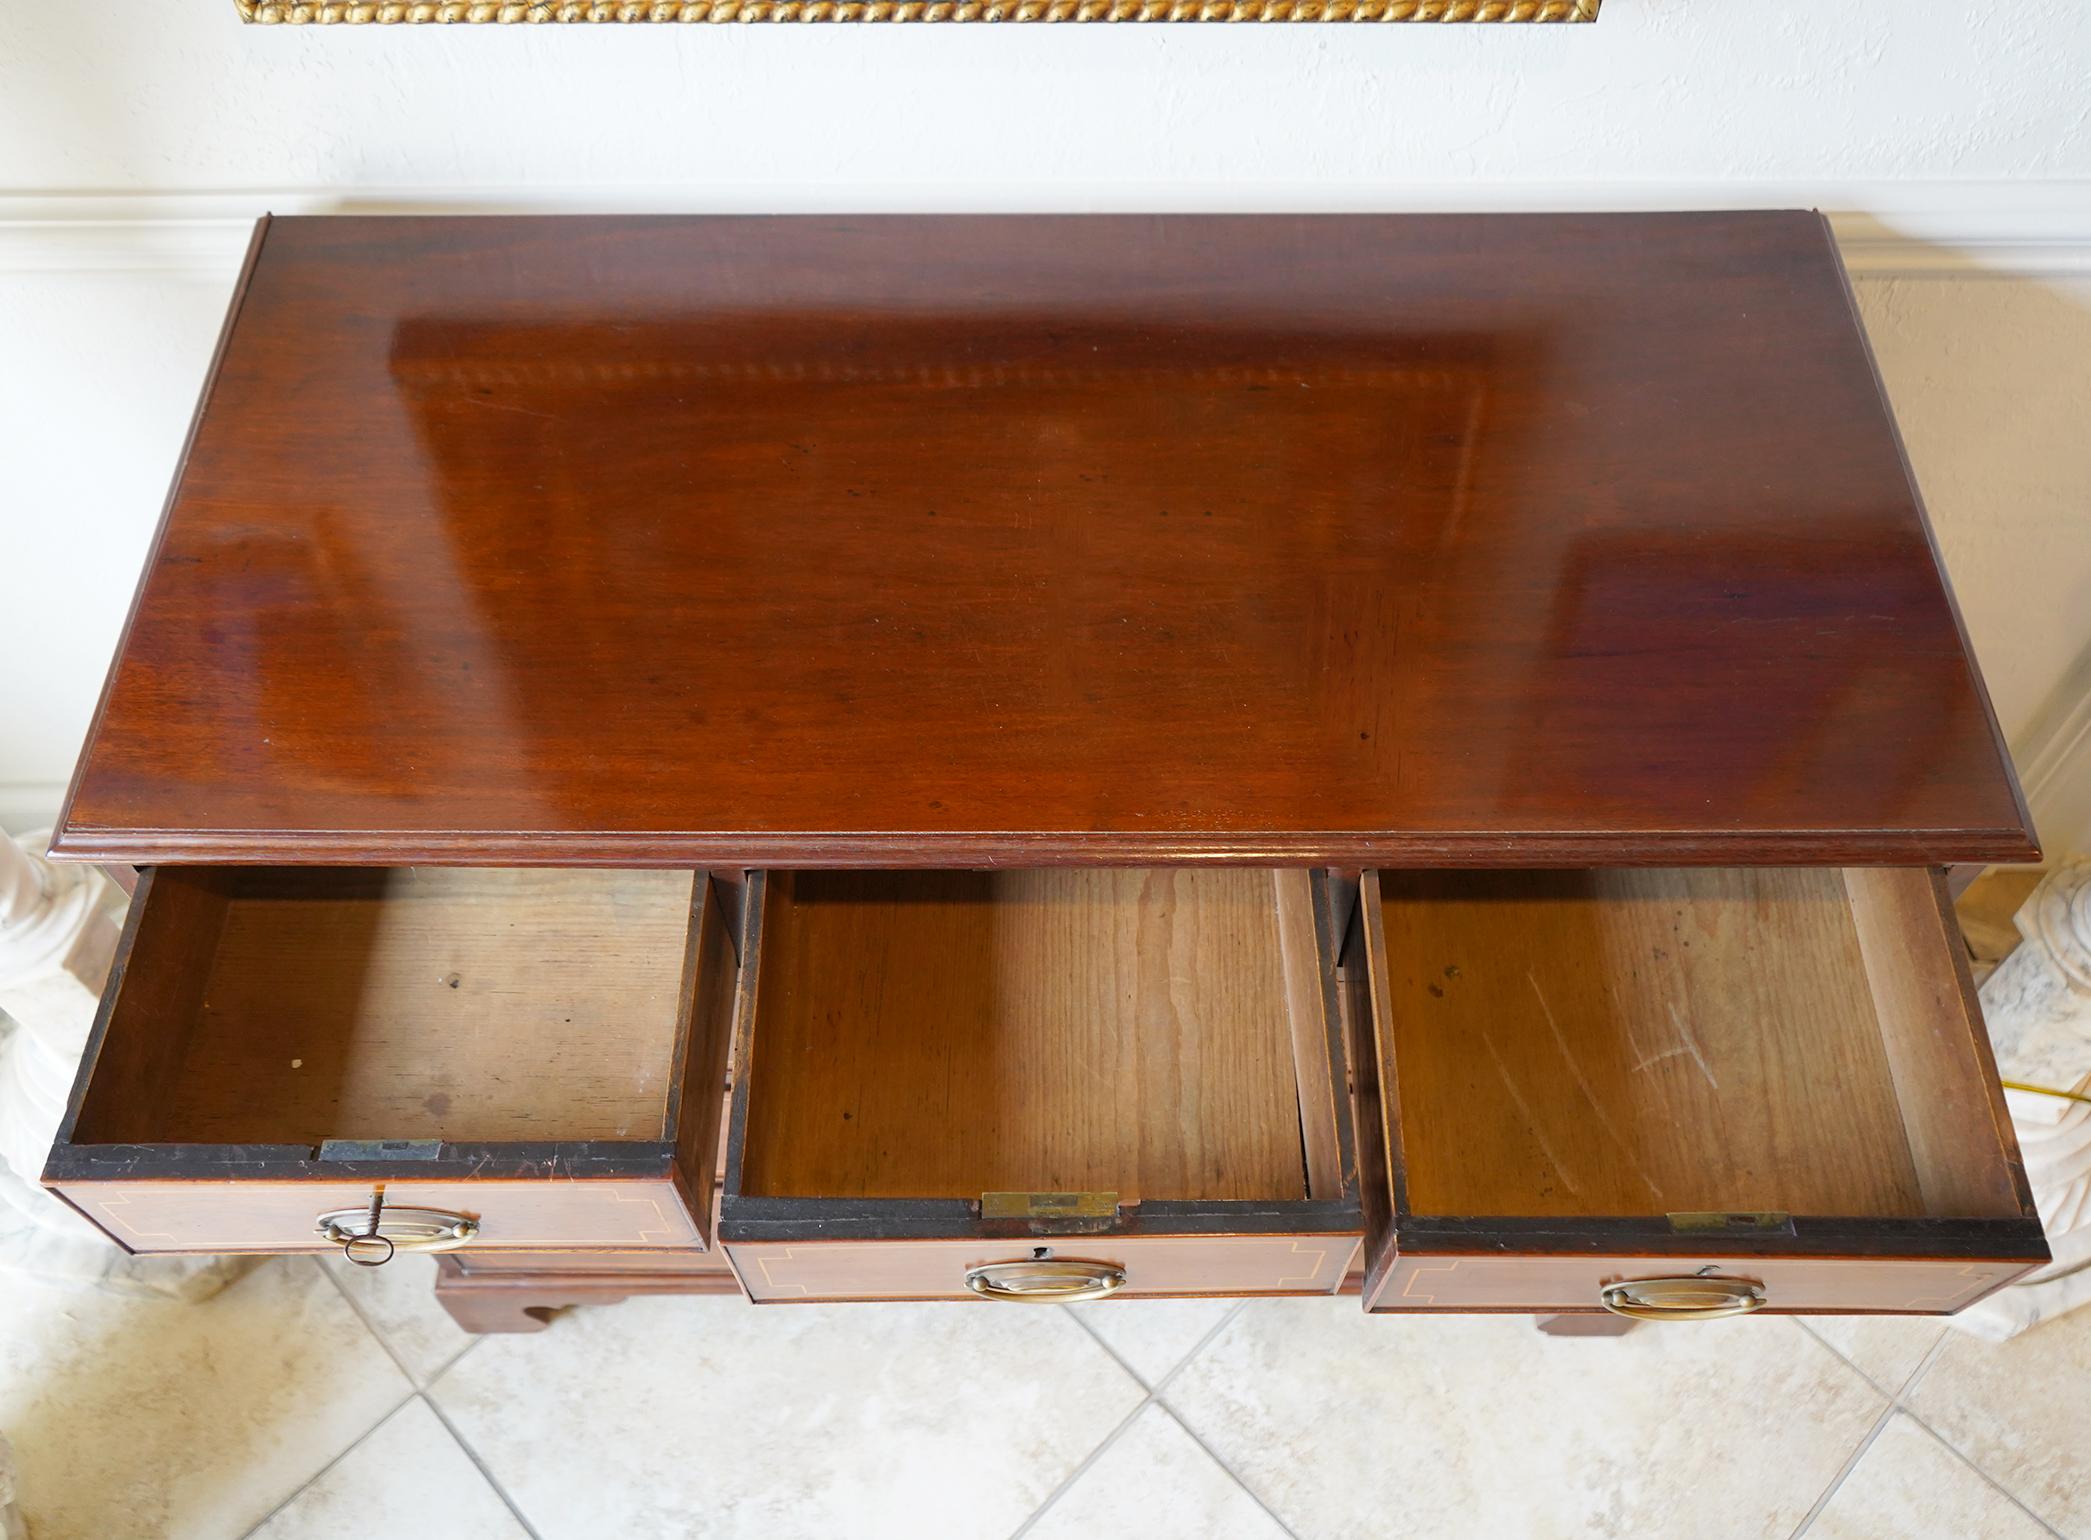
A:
[(450, 1363), (1837, 1353), (427, 1400), (1200, 1346), (1987, 1479), (1149, 1395), (356, 1309), (1909, 1381), (478, 1464), (1902, 1396), (1898, 1401), (354, 1444), (1082, 1468), (1851, 1463), (1235, 1476), (1880, 1423), (1192, 1434), (1118, 1359), (376, 1423), (1181, 1364)]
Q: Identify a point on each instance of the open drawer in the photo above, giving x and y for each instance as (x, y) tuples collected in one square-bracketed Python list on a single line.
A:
[(1038, 1085), (1677, 1093), (500, 1058)]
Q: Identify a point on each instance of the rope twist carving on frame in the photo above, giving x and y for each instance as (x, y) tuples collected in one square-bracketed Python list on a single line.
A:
[(388, 12)]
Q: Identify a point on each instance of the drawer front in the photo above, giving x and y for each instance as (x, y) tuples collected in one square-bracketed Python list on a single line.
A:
[(1153, 1266), (247, 1216), (1789, 1285)]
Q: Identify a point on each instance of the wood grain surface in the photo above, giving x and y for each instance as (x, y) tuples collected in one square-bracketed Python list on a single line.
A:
[(1662, 1041), (1960, 1134), (1571, 1078), (426, 1003), (1490, 540), (945, 1034)]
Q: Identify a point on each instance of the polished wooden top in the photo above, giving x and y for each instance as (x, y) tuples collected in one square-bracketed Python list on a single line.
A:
[(944, 541)]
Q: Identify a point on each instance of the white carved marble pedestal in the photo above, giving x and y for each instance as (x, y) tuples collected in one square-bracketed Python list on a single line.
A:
[(2038, 1006), (12, 1525), (58, 930)]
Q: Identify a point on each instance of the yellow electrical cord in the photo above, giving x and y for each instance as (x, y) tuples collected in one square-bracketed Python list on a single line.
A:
[(2045, 1090)]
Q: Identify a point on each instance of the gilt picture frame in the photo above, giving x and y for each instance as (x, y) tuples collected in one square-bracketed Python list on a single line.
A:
[(555, 12)]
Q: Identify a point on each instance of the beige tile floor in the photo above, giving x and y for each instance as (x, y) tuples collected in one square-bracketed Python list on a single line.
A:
[(315, 1400)]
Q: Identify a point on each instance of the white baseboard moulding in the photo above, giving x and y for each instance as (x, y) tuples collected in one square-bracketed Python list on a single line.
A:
[(2024, 229)]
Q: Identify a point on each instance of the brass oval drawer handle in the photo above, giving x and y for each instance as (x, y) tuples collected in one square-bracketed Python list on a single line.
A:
[(1045, 1282), (1682, 1299), (369, 1237)]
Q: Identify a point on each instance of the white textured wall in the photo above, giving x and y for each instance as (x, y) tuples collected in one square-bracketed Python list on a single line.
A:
[(137, 137), (1992, 386), (174, 93), (97, 379)]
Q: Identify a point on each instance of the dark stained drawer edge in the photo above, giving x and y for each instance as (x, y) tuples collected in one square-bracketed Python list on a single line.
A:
[(57, 1162), (296, 1162), (1974, 1240), (842, 1219)]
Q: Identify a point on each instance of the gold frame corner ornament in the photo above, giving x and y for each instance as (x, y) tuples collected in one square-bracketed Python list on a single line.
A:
[(392, 12)]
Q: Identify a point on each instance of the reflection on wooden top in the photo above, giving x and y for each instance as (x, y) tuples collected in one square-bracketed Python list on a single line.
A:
[(1496, 540)]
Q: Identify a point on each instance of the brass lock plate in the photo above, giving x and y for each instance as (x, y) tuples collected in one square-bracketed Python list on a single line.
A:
[(1049, 1205), (1730, 1222)]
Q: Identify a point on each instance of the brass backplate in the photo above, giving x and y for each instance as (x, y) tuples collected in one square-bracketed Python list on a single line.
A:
[(1049, 1205)]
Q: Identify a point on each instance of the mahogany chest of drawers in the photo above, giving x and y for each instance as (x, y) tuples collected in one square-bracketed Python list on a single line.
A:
[(1029, 758)]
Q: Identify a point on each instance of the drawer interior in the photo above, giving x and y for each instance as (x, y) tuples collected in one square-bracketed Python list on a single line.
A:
[(938, 1035), (293, 1006), (1635, 1042)]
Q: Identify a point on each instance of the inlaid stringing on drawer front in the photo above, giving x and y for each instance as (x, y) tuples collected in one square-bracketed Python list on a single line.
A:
[(278, 1216), (668, 1261), (1257, 1264), (1541, 1283)]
